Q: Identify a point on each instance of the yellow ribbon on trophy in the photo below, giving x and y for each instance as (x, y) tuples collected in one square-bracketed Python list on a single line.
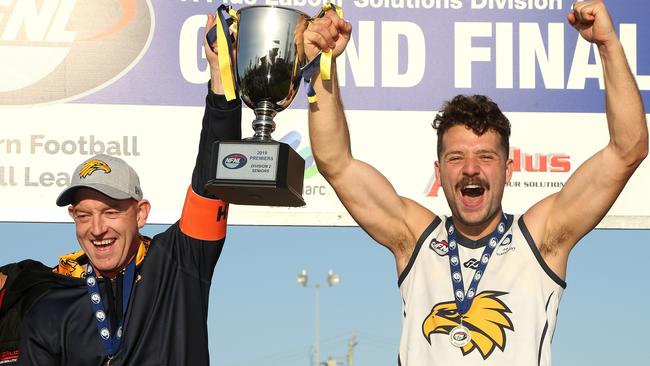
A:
[(224, 49), (326, 57)]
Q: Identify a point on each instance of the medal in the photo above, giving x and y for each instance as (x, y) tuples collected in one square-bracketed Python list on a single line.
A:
[(460, 336)]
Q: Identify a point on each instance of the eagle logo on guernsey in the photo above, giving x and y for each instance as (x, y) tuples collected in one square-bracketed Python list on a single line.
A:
[(487, 321), (92, 166)]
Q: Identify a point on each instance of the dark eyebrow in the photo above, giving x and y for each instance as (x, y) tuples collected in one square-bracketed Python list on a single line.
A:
[(453, 152), (487, 151)]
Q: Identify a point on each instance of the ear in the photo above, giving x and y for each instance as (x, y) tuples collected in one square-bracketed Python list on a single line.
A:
[(509, 169), (143, 212), (71, 211), (437, 167)]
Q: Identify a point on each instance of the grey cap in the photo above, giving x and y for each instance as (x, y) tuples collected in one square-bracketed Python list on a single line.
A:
[(106, 174)]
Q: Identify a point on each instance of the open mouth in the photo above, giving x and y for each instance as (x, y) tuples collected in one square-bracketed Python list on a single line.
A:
[(472, 190), (104, 243)]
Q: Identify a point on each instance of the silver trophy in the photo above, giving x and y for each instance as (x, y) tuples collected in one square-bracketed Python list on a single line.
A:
[(268, 55)]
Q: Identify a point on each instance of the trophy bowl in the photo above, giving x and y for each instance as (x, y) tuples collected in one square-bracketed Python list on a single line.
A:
[(269, 56)]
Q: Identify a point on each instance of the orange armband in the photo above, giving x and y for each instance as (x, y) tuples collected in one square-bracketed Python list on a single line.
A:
[(203, 218)]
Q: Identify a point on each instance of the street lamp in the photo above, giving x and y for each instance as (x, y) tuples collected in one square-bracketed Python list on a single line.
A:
[(332, 279)]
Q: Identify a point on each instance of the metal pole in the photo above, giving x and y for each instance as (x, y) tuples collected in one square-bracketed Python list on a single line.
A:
[(317, 335), (351, 343)]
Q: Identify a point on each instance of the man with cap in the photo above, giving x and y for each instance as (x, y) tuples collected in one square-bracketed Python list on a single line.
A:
[(129, 299)]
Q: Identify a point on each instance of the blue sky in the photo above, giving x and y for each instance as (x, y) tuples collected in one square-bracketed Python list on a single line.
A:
[(259, 315)]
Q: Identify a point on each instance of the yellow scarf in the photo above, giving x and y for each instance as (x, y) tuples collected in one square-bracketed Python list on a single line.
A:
[(73, 264)]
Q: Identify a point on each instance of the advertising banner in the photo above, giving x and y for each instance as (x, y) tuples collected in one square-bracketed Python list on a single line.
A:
[(129, 78)]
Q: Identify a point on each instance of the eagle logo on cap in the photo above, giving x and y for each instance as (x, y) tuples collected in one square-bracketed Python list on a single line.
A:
[(92, 166), (487, 321)]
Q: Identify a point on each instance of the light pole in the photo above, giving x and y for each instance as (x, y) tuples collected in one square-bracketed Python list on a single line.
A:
[(332, 279)]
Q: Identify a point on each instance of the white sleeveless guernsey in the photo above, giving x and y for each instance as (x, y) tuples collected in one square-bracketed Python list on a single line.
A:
[(512, 318)]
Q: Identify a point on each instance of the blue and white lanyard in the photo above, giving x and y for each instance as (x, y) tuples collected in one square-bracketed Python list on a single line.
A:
[(464, 299), (110, 342)]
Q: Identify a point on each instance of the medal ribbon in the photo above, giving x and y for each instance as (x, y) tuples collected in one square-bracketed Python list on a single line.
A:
[(110, 342), (464, 299)]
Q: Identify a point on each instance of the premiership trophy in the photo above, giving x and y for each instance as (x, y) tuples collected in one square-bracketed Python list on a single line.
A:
[(268, 56)]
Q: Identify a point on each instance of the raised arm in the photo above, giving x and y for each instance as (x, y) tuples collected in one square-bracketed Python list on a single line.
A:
[(221, 120), (559, 221), (391, 220), (204, 216)]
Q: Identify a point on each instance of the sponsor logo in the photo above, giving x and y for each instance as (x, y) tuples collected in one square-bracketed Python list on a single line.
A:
[(477, 275), (100, 315), (538, 162), (293, 139), (471, 263), (92, 166), (487, 321), (61, 50), (104, 333), (459, 295), (506, 246), (10, 356), (234, 161), (440, 247), (493, 242), (456, 276), (454, 260)]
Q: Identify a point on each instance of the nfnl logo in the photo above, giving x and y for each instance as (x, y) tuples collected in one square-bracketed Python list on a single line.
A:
[(234, 161), (58, 50)]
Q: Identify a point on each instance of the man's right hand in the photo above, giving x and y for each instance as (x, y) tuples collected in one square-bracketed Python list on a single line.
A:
[(592, 21), (328, 32)]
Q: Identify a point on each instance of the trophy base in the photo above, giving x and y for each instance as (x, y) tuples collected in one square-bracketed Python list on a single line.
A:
[(260, 173)]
